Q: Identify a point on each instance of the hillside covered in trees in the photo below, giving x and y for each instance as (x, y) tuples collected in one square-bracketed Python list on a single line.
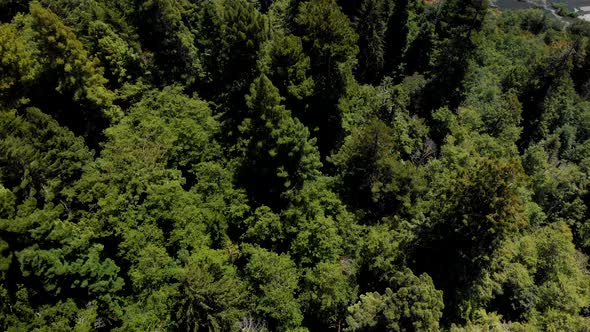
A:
[(290, 165)]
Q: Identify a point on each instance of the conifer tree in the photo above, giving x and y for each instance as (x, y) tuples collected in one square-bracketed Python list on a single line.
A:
[(279, 156), (330, 42)]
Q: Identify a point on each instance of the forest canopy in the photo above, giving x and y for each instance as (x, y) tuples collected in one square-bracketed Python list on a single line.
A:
[(292, 165)]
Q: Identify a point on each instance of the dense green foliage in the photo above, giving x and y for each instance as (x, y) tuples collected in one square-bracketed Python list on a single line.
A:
[(292, 165)]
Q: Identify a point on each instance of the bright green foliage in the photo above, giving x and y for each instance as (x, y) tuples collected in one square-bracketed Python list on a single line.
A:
[(364, 315), (274, 280), (7, 200), (104, 31), (281, 14), (540, 274), (364, 104), (190, 120), (500, 112), (383, 252), (558, 189), (224, 205), (133, 170), (66, 55), (317, 224), (484, 321), (178, 134), (120, 59), (68, 74), (415, 305), (559, 108), (18, 65), (293, 165), (212, 297), (142, 203), (329, 291), (266, 229), (474, 203), (80, 15), (311, 226)]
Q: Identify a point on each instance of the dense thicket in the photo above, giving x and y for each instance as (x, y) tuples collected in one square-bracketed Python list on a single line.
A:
[(291, 165)]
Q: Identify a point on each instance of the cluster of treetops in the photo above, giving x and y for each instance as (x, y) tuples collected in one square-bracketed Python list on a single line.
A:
[(290, 165)]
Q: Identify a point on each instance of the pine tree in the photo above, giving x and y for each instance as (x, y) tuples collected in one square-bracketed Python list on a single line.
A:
[(278, 154), (330, 42)]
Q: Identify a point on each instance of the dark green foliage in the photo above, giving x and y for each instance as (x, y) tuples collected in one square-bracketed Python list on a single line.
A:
[(68, 75), (278, 154), (56, 257), (293, 165), (163, 27), (329, 290), (230, 34), (370, 23), (330, 41), (376, 179), (213, 297), (472, 207), (10, 8), (457, 23), (410, 37), (287, 66)]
